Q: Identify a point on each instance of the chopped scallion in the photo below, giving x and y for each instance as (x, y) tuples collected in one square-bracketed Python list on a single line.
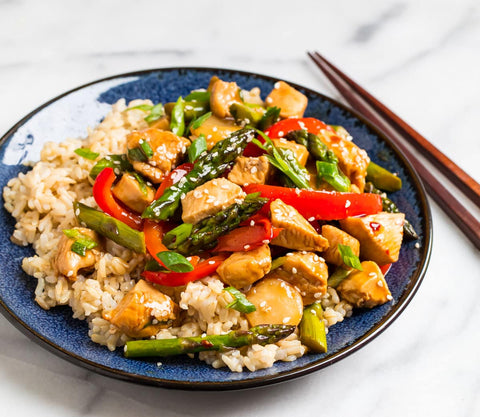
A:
[(175, 262), (87, 153), (349, 258), (197, 147), (240, 302)]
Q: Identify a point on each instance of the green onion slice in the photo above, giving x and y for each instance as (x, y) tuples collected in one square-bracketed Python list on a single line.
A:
[(200, 120), (175, 262), (155, 113), (82, 243), (197, 147), (198, 96), (87, 153), (349, 258), (116, 162), (177, 122), (240, 302)]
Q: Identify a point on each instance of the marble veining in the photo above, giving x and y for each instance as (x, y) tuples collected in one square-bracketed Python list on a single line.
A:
[(420, 58)]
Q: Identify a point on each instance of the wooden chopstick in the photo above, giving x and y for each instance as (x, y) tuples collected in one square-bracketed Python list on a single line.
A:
[(452, 207), (450, 169)]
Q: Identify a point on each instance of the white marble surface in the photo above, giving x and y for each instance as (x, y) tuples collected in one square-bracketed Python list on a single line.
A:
[(422, 58)]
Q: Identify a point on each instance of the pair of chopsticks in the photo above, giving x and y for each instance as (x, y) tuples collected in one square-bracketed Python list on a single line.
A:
[(398, 131)]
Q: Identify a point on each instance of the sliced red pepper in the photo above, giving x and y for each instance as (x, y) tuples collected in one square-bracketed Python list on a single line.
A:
[(385, 268), (176, 279), (173, 177), (247, 237), (153, 238), (281, 128), (321, 205), (102, 192)]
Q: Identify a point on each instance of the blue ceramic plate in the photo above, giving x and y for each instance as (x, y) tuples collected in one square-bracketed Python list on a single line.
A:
[(69, 115)]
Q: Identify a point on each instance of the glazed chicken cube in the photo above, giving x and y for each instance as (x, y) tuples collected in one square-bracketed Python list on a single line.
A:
[(292, 103), (168, 150), (380, 235), (215, 130), (297, 233), (307, 272), (222, 95), (337, 237), (134, 195), (300, 152), (352, 160), (242, 269), (209, 199), (365, 289), (143, 311), (250, 171), (69, 263)]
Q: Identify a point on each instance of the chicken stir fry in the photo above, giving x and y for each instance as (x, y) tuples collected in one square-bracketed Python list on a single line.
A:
[(247, 189)]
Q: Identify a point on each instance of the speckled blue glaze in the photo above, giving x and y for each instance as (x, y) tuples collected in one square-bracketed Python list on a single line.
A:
[(70, 115)]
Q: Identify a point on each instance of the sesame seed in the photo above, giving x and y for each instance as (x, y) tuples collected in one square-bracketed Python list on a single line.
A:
[(286, 320), (311, 219), (158, 363), (380, 283), (69, 273), (372, 274), (316, 258), (266, 241), (304, 252), (281, 133), (289, 254), (253, 170), (252, 222), (389, 297), (154, 321), (297, 191), (77, 212), (294, 270), (263, 304), (417, 245), (348, 203), (215, 128), (269, 99), (246, 247), (277, 85), (211, 262), (317, 295)]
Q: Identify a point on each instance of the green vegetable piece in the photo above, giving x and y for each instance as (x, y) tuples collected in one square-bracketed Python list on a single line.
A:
[(197, 96), (146, 148), (143, 107), (208, 166), (263, 334), (82, 242), (87, 153), (246, 115), (330, 173), (137, 154), (312, 328), (382, 178), (240, 302), (285, 161), (270, 117), (155, 113), (178, 235), (342, 132), (338, 276), (314, 144), (278, 262), (154, 266), (175, 262), (198, 122), (205, 233), (177, 121), (110, 227), (197, 147), (348, 257), (119, 163), (390, 207)]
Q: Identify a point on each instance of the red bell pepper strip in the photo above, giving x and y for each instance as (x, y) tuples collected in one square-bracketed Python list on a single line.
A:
[(102, 192), (385, 268), (173, 177), (153, 238), (281, 128), (176, 279), (246, 238), (321, 205)]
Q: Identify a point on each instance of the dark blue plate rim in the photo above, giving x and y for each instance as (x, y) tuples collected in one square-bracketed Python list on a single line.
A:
[(409, 291)]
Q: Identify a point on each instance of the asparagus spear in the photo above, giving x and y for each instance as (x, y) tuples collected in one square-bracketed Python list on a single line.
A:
[(312, 328), (262, 335), (203, 236), (209, 166), (382, 178), (390, 207), (110, 227)]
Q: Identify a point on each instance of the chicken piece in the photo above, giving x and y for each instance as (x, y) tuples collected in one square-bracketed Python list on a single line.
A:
[(352, 160), (209, 199), (69, 263), (131, 193), (143, 311), (300, 152), (292, 102), (276, 302), (250, 171), (307, 272), (223, 94), (380, 235), (242, 269), (337, 237), (168, 150), (163, 123), (367, 288), (297, 233), (215, 130)]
